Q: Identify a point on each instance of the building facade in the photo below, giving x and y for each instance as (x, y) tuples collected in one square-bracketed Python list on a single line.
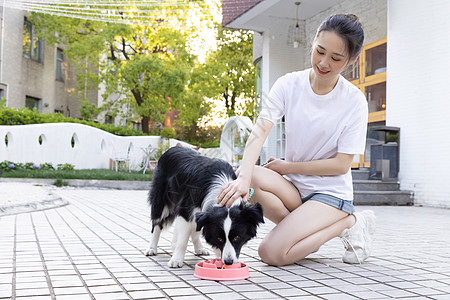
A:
[(405, 46), (34, 74)]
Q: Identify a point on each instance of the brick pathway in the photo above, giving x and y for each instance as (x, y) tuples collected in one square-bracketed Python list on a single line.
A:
[(93, 249)]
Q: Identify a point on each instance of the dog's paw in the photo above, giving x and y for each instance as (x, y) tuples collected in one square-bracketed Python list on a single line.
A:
[(201, 251), (175, 263), (151, 251)]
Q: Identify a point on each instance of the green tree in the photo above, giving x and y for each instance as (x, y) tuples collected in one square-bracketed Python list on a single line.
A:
[(148, 66), (228, 73)]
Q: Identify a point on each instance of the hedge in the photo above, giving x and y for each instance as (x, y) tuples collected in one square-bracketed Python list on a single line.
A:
[(25, 116)]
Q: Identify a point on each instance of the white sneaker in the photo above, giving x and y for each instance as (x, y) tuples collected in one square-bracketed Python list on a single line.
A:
[(358, 239)]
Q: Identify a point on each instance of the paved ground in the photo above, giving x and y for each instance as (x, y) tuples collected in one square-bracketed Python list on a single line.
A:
[(93, 249)]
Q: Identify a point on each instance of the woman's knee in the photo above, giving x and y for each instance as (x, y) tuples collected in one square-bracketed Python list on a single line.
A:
[(270, 254)]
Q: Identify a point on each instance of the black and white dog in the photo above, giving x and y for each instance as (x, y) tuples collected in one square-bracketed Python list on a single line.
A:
[(184, 191)]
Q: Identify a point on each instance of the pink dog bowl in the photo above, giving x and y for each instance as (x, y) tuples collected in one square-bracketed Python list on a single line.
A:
[(216, 270)]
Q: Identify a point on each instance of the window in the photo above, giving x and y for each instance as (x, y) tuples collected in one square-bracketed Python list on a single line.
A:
[(109, 119), (32, 103), (369, 75), (59, 62), (32, 47), (281, 138)]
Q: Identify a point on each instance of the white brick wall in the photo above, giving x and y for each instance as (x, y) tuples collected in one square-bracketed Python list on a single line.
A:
[(418, 100)]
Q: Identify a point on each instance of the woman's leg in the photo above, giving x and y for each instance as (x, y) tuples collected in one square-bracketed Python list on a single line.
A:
[(276, 194), (314, 222), (302, 231)]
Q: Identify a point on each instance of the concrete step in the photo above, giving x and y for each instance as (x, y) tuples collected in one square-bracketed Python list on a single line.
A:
[(375, 185), (360, 174), (383, 198)]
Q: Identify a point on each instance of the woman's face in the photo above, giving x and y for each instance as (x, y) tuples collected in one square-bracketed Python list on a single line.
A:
[(329, 55)]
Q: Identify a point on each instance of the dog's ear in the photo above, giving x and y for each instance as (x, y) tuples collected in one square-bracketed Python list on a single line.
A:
[(201, 218), (253, 213)]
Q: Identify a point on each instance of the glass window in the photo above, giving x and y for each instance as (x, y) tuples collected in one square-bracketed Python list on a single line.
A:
[(281, 138), (32, 47), (376, 60), (59, 62), (109, 119), (33, 103), (376, 96)]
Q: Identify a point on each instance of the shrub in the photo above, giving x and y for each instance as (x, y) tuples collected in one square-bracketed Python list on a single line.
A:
[(168, 133), (24, 116), (60, 183), (65, 167), (47, 166), (12, 166)]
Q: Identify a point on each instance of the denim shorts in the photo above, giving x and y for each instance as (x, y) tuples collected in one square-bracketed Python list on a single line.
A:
[(344, 205)]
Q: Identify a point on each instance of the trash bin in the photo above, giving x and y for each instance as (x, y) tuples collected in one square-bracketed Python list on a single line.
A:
[(384, 156)]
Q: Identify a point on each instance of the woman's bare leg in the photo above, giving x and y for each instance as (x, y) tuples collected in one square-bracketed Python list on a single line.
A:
[(302, 231), (269, 188), (314, 222)]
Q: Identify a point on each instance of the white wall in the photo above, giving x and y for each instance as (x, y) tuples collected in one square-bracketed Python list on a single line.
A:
[(92, 150), (278, 59), (418, 100)]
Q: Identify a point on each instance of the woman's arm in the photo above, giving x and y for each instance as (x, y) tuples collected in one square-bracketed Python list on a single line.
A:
[(338, 165), (240, 187)]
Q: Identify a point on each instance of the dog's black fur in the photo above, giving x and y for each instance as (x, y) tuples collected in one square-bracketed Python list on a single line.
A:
[(186, 183)]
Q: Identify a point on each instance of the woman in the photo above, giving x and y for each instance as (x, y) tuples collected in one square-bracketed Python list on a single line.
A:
[(309, 195)]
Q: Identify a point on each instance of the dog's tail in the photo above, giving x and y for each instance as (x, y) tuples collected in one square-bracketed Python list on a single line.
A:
[(157, 197)]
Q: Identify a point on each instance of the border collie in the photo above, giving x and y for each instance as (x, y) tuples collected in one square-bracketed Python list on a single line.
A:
[(184, 192)]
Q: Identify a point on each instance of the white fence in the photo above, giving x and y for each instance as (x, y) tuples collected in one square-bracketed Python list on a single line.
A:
[(83, 146)]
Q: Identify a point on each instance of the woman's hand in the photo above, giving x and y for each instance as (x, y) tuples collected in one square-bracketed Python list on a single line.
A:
[(232, 191), (277, 165)]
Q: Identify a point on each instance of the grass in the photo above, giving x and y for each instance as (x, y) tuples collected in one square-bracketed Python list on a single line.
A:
[(98, 174)]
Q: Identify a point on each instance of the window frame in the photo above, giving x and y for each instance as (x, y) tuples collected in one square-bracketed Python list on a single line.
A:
[(37, 103), (59, 76), (33, 49)]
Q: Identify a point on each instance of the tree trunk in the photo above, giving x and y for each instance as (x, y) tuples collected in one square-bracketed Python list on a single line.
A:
[(225, 96), (145, 127), (233, 102), (145, 119)]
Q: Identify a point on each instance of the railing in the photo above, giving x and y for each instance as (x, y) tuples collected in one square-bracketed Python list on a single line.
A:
[(83, 146)]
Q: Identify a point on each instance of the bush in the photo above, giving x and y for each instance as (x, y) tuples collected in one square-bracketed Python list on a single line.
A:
[(65, 167), (64, 172), (168, 133), (60, 183), (24, 116), (7, 166)]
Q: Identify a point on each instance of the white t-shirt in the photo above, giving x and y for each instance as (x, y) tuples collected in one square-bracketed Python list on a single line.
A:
[(318, 127)]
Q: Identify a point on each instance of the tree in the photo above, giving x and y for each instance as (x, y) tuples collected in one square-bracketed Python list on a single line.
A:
[(228, 73), (148, 66)]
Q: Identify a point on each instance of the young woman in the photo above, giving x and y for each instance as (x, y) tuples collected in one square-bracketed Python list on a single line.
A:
[(309, 195)]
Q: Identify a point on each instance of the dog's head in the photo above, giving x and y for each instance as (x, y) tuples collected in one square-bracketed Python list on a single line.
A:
[(228, 229)]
